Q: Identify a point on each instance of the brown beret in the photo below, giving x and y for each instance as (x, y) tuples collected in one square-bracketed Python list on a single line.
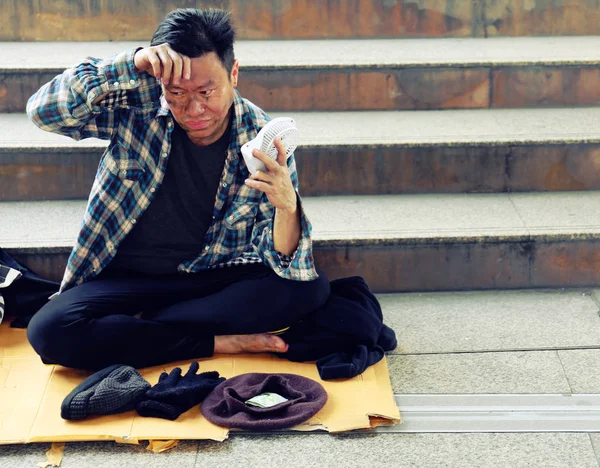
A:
[(225, 405)]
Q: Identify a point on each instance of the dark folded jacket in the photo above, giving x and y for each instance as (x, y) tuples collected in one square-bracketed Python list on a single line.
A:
[(346, 335)]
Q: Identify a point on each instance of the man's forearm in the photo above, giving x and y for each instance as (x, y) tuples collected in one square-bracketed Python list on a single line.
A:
[(286, 230)]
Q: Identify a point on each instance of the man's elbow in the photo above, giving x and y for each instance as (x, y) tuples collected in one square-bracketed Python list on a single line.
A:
[(32, 110)]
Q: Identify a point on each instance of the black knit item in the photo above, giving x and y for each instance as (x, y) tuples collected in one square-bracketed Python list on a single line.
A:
[(174, 394), (114, 389)]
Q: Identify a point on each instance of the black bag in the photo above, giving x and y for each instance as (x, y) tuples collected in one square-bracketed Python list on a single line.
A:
[(26, 295)]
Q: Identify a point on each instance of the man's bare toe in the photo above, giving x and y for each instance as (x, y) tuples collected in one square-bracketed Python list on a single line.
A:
[(258, 343), (271, 343)]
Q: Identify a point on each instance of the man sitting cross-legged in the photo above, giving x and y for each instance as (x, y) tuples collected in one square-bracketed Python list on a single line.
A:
[(181, 253)]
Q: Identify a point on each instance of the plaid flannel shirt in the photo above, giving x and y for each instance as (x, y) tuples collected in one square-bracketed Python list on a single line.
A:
[(138, 123)]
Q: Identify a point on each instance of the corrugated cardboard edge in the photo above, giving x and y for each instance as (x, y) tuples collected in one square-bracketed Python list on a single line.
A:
[(160, 446), (385, 412), (54, 455), (375, 408)]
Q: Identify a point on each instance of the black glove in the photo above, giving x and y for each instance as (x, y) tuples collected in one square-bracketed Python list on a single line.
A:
[(174, 394)]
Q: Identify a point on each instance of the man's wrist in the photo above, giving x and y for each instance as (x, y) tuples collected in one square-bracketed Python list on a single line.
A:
[(289, 211), (292, 209), (135, 61)]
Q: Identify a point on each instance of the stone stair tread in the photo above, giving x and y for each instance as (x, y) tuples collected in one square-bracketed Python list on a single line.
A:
[(524, 372), (490, 342), (470, 127), (367, 220), (474, 325), (362, 53)]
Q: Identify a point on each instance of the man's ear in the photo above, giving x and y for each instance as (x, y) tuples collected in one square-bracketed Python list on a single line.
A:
[(235, 70)]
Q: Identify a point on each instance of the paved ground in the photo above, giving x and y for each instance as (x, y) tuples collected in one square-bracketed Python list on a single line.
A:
[(462, 343), (356, 450)]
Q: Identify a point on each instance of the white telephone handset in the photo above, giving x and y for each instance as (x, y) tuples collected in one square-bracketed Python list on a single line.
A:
[(283, 128)]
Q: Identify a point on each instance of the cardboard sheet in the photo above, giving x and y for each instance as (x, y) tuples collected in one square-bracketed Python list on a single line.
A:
[(31, 394)]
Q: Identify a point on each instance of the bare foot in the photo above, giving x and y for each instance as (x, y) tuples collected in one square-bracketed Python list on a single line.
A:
[(258, 343)]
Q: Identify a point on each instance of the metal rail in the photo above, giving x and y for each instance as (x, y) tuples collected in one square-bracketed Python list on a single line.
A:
[(498, 413)]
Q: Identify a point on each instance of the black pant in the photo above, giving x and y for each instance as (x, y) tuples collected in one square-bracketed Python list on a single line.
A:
[(150, 320)]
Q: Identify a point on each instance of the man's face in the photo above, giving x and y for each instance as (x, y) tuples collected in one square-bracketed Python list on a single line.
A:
[(201, 104)]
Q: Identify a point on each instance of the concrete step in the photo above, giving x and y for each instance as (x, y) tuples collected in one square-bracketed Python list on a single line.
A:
[(92, 20), (495, 342), (479, 326), (378, 74), (361, 153), (397, 242)]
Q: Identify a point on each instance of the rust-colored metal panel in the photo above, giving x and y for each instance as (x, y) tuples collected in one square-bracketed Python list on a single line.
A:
[(47, 263), (338, 172), (571, 263), (320, 90), (427, 267), (43, 175), (391, 170), (302, 19), (388, 268), (16, 88), (542, 17), (554, 168), (118, 20), (411, 88), (546, 86), (110, 20), (51, 175), (458, 169), (348, 89), (357, 170)]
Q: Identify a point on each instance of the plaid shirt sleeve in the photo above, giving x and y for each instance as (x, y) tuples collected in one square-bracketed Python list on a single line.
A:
[(65, 105), (300, 265)]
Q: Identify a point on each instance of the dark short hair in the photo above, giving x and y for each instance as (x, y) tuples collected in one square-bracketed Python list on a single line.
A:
[(194, 32)]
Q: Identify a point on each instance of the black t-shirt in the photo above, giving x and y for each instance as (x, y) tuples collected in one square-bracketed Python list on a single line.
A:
[(173, 227)]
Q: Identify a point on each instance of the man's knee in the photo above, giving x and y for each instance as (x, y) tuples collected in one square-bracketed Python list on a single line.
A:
[(311, 294), (48, 333), (320, 290)]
